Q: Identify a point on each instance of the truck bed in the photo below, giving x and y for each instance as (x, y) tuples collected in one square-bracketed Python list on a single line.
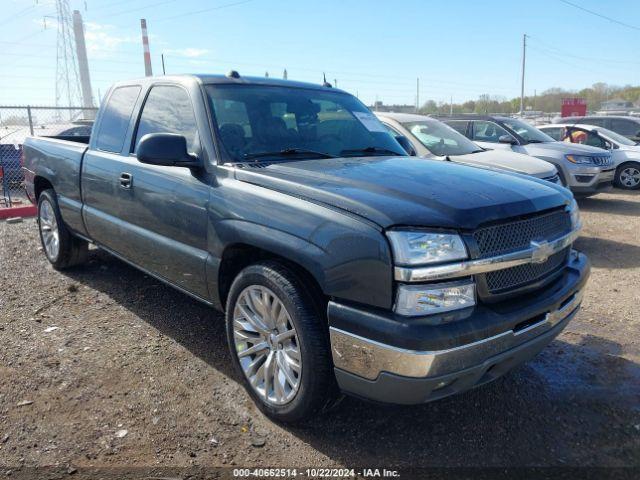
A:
[(60, 161)]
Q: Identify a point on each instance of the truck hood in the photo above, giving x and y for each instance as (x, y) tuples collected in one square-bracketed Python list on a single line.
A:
[(564, 148), (408, 190), (510, 161)]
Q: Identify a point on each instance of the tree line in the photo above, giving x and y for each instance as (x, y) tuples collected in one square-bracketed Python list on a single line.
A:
[(548, 101)]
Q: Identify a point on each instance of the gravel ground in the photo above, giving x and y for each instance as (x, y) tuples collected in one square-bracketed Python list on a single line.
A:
[(104, 366)]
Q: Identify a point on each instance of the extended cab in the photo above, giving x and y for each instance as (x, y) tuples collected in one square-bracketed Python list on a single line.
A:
[(341, 264)]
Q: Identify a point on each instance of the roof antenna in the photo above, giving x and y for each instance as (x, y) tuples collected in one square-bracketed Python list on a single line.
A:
[(324, 81)]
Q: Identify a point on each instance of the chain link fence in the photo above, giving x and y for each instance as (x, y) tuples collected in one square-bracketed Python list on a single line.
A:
[(19, 122)]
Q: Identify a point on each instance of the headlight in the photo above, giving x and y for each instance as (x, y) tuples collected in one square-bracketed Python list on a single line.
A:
[(582, 159), (574, 211), (416, 248), (414, 300)]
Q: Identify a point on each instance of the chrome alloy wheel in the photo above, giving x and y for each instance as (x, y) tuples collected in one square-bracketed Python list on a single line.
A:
[(630, 177), (49, 230), (267, 345)]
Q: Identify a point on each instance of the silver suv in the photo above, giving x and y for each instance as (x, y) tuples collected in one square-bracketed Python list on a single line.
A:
[(585, 170)]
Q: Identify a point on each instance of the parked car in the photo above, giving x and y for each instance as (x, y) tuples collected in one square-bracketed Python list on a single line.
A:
[(585, 170), (621, 124), (430, 138), (341, 263), (625, 152)]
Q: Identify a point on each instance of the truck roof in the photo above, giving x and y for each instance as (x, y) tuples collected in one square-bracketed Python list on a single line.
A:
[(209, 79)]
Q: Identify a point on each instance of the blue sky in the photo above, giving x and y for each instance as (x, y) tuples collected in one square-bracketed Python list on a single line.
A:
[(375, 49)]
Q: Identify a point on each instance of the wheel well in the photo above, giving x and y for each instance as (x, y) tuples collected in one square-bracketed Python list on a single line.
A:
[(628, 162), (237, 257), (39, 185)]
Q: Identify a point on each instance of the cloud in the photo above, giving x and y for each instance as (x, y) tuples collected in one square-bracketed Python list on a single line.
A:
[(187, 52), (105, 40)]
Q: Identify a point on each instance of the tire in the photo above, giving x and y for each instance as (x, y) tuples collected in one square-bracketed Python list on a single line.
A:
[(61, 248), (313, 384), (628, 176)]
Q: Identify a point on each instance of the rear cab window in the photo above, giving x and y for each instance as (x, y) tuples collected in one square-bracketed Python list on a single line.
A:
[(116, 117)]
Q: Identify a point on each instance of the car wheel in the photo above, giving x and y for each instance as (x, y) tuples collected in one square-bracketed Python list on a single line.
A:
[(62, 249), (279, 342), (628, 176)]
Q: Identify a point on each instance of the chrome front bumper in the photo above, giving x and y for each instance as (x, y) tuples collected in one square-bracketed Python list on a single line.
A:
[(368, 359)]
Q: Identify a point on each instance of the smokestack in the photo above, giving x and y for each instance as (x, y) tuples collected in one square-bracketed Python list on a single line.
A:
[(83, 63), (145, 45)]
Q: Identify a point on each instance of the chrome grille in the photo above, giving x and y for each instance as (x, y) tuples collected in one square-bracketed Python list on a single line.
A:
[(518, 235), (504, 280)]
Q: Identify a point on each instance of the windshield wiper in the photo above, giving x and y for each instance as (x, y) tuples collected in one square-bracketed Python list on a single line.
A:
[(370, 150), (535, 141), (286, 152)]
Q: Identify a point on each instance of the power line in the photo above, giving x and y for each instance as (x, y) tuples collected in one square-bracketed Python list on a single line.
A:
[(589, 59), (613, 20), (196, 12)]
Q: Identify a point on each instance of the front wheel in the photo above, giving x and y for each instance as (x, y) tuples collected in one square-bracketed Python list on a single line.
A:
[(279, 343), (628, 176)]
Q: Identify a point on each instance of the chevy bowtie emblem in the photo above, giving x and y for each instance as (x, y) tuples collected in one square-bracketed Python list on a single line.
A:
[(541, 251)]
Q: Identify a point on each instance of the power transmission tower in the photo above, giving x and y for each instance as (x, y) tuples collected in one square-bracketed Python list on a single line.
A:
[(67, 76)]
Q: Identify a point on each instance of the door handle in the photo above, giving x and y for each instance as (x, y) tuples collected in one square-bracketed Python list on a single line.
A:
[(126, 180)]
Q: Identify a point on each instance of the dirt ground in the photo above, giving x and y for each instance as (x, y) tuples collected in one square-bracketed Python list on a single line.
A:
[(104, 366)]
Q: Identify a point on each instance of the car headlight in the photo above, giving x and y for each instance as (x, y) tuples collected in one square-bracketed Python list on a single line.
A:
[(415, 300), (417, 248), (581, 159), (574, 211)]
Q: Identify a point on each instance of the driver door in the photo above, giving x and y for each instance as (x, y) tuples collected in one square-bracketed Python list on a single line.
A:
[(165, 207)]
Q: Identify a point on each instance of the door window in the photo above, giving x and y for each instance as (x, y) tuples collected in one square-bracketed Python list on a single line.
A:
[(459, 125), (484, 131), (115, 119), (554, 132), (585, 137), (627, 128), (168, 109)]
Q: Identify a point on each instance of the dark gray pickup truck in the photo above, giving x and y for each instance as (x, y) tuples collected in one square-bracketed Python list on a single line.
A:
[(341, 264)]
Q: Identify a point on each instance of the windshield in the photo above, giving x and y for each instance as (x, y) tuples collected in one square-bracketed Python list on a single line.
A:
[(440, 139), (273, 122), (616, 137), (527, 132)]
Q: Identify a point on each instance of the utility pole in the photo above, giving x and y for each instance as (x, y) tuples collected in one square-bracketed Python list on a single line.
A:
[(451, 105), (145, 45), (83, 63), (335, 82), (163, 70), (417, 95), (524, 56), (285, 75)]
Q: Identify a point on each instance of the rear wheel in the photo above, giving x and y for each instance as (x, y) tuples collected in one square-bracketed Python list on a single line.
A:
[(628, 176), (62, 249), (279, 343)]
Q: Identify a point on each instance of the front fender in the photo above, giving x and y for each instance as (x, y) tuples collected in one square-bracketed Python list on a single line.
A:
[(352, 264)]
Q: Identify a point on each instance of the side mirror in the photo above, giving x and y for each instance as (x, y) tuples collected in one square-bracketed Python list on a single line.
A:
[(507, 139), (406, 145), (166, 149)]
